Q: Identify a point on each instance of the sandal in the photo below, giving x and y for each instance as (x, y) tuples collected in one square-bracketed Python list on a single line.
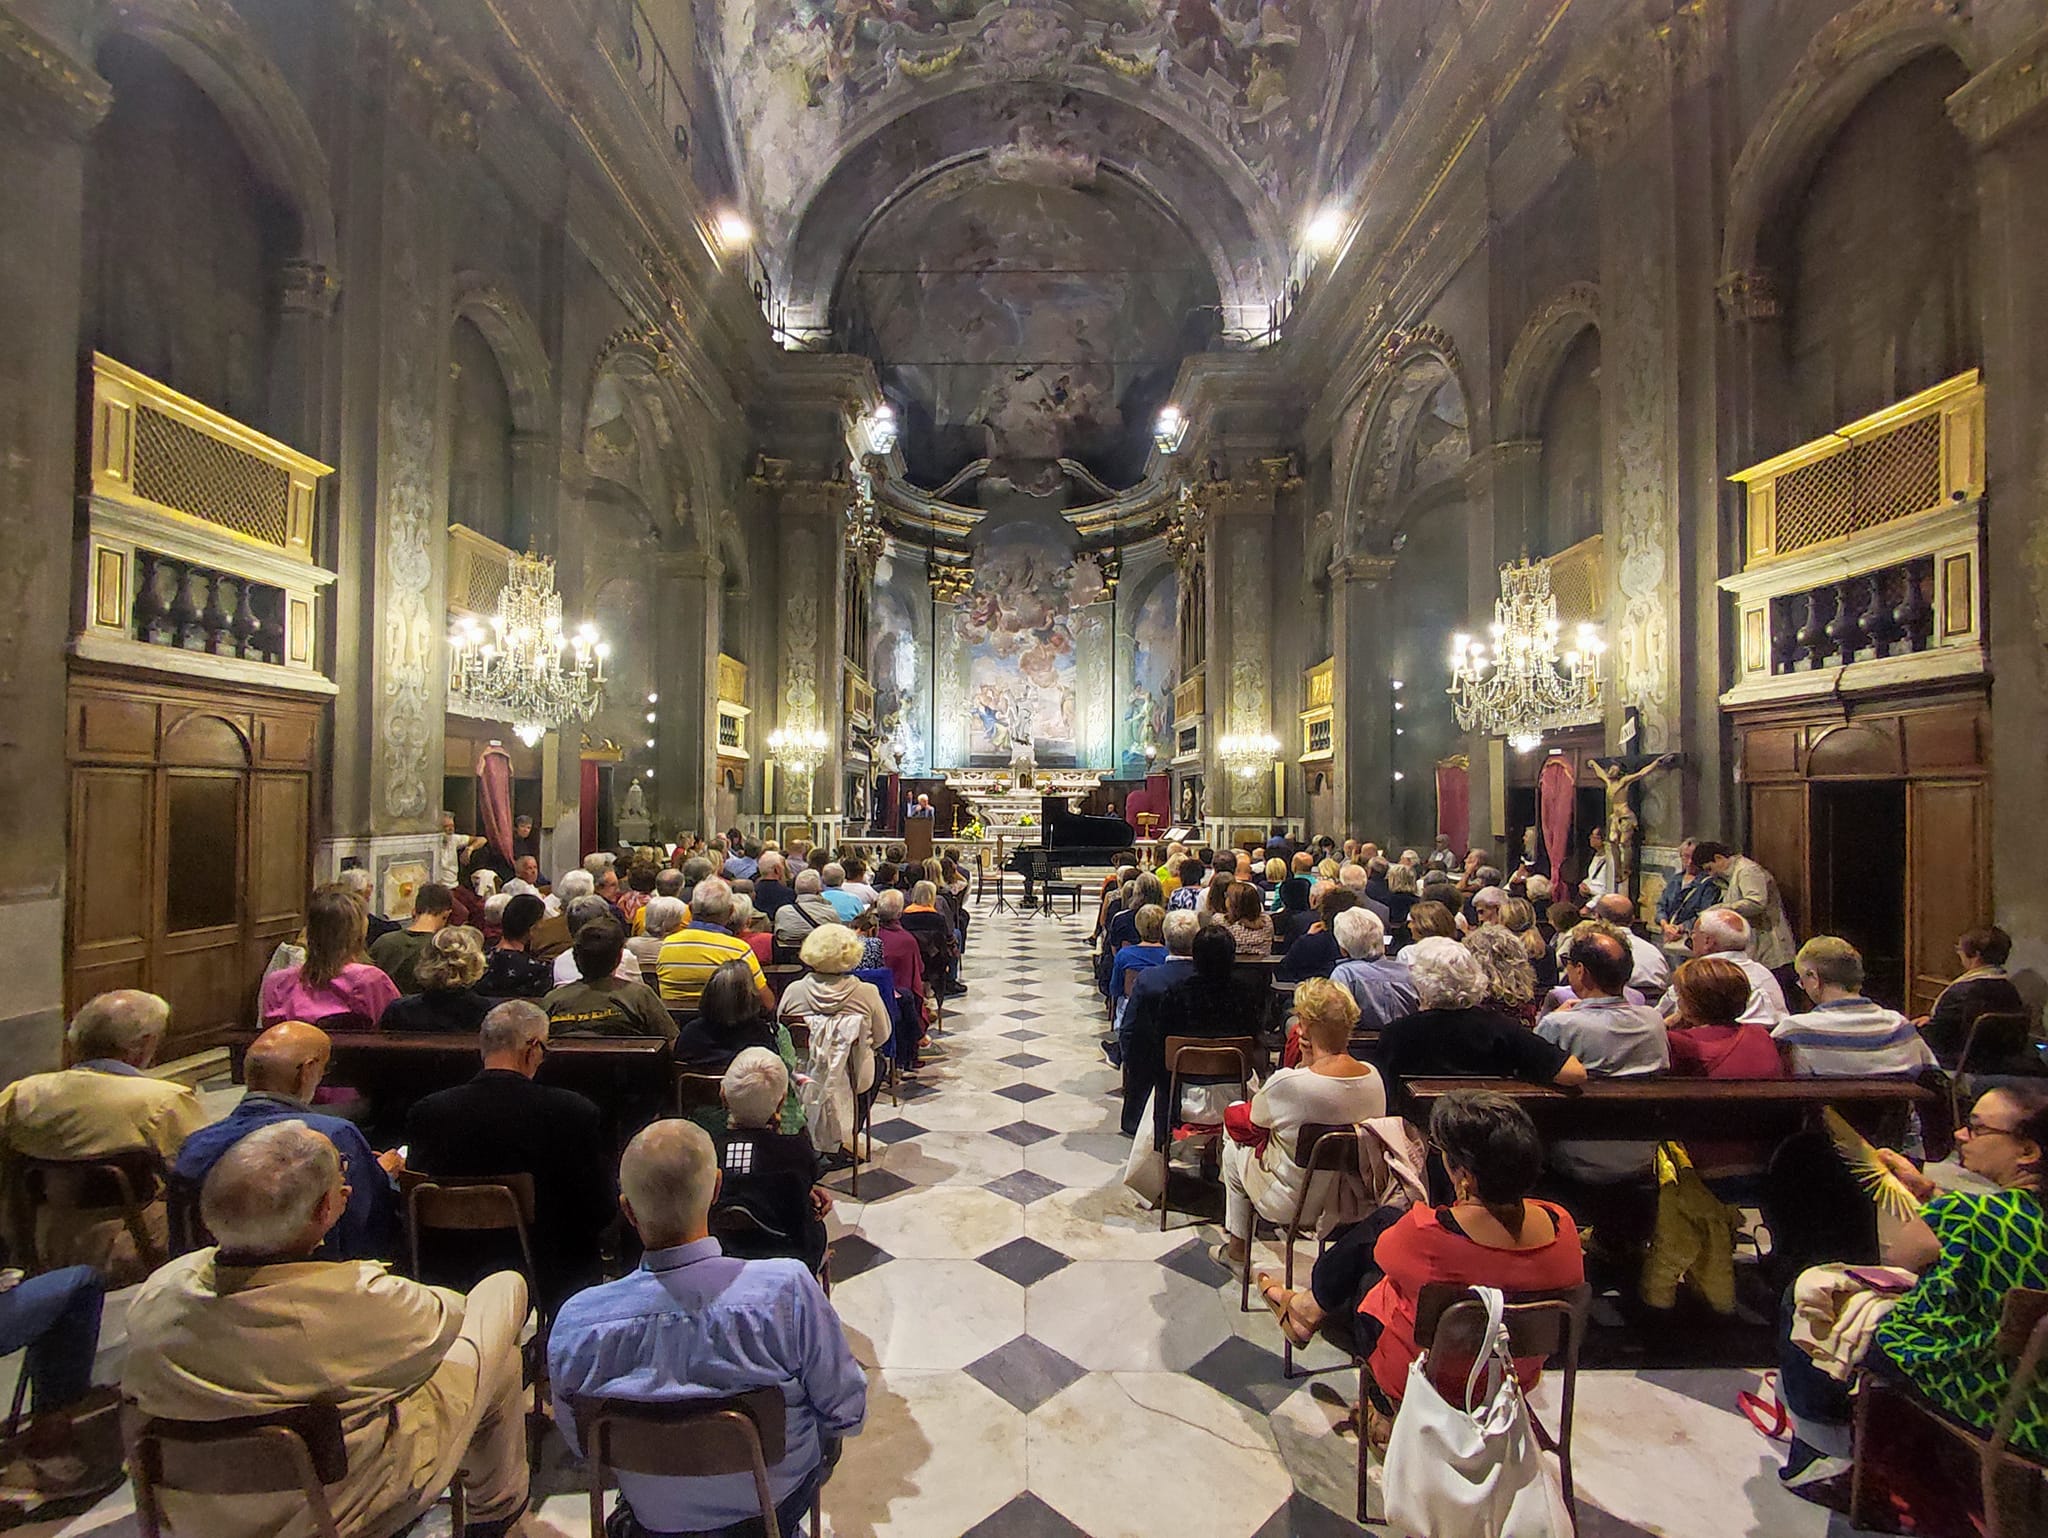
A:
[(1283, 1309)]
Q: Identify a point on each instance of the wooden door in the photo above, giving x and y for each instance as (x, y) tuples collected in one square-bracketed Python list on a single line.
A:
[(1778, 842), (1948, 879), (113, 869)]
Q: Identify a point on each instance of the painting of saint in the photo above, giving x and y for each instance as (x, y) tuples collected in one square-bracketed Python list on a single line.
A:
[(1019, 626)]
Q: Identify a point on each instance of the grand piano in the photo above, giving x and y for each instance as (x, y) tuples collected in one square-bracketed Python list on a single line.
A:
[(1067, 838)]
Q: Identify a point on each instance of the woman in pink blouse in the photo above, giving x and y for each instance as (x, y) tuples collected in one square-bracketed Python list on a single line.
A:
[(334, 980)]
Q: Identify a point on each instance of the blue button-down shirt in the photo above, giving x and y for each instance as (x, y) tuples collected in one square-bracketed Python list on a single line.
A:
[(1384, 990), (368, 1228), (694, 1323)]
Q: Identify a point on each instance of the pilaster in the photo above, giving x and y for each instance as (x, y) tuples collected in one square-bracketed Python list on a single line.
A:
[(1365, 705), (808, 514), (686, 608)]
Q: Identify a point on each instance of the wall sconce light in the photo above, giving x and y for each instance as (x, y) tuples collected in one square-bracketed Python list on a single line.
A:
[(732, 230), (882, 429), (1171, 430), (1325, 232)]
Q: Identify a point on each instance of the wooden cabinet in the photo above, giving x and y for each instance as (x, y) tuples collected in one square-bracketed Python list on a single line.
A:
[(190, 843)]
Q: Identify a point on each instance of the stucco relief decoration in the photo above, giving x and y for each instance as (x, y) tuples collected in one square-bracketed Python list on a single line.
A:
[(1248, 692), (1420, 435), (1636, 352)]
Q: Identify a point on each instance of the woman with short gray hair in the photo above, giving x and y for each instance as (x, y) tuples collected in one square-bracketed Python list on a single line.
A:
[(1452, 1035)]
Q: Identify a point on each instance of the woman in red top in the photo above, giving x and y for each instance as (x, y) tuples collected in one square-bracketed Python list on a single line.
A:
[(1710, 1041), (1493, 1235)]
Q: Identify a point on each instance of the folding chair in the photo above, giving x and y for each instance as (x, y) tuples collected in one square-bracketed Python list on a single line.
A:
[(1201, 1057), (743, 1434), (2022, 1341), (1539, 1324), (1319, 1149), (297, 1451), (697, 1091), (126, 1183)]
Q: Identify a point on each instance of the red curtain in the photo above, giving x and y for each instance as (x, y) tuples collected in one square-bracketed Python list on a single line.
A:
[(1556, 790), (1454, 803), (494, 798), (586, 809)]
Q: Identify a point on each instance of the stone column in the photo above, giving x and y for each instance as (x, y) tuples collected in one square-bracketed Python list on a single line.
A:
[(686, 650), (810, 686), (1365, 705), (49, 102), (1637, 113), (2001, 113), (307, 294)]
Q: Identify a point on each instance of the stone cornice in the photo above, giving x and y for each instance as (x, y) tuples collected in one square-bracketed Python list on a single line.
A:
[(1750, 297), (2005, 95), (43, 88), (1636, 73), (1370, 570)]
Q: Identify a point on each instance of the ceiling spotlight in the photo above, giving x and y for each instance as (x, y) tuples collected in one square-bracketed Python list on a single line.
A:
[(1325, 232), (655, 699), (734, 233), (1171, 429)]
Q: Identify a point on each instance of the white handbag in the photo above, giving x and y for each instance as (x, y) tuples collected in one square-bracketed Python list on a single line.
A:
[(1473, 1470)]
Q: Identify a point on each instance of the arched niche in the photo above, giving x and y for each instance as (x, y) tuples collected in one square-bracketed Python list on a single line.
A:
[(502, 431), (638, 433), (1416, 434)]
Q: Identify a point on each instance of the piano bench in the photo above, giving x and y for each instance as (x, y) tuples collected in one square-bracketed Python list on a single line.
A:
[(1067, 889)]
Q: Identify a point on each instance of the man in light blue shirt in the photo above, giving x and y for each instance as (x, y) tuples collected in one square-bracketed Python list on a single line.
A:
[(846, 903), (692, 1323), (1383, 988)]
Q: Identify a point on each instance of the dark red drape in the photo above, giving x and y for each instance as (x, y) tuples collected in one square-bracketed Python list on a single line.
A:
[(494, 798), (1454, 803), (1556, 789)]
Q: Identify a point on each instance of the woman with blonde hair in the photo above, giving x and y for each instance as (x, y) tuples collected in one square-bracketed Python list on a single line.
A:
[(336, 986), (1247, 921), (1330, 1088), (1518, 916), (448, 974), (1510, 979)]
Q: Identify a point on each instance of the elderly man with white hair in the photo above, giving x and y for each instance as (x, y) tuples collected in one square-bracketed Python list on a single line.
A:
[(358, 884), (769, 1174), (1382, 987), (553, 934), (699, 948), (1725, 933), (1451, 1036), (804, 912), (1649, 967), (1353, 879), (692, 1323), (103, 1103), (846, 903), (427, 1381), (772, 891)]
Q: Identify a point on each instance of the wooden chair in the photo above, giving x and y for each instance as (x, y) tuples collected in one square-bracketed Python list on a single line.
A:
[(1995, 1038), (1541, 1324), (781, 975), (697, 1091), (297, 1451), (470, 1204), (1201, 1057), (743, 1434), (1319, 1149), (2022, 1341), (127, 1183)]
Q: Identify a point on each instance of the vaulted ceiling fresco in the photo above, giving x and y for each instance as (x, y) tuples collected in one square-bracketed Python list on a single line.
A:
[(1114, 146)]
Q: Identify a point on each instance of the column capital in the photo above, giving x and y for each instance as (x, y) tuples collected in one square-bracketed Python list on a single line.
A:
[(1999, 98), (1363, 570), (687, 565), (1635, 75), (307, 289), (44, 89), (1749, 297)]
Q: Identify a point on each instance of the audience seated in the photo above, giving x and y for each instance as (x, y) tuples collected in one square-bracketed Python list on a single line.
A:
[(1143, 953), (1452, 1036), (751, 927), (1191, 878), (846, 905), (1144, 1029), (693, 1323), (901, 955), (1367, 1283), (1403, 892), (102, 1104), (1968, 1249), (1710, 1039), (1331, 1088), (729, 1019), (426, 1381), (281, 1070), (1429, 919), (1649, 968), (829, 992), (1383, 988), (691, 954), (447, 974), (512, 970), (357, 883), (802, 914), (1247, 922), (55, 1318), (1983, 988), (1724, 933), (502, 1123), (581, 912), (936, 942), (659, 918), (1205, 999), (600, 1002), (1845, 1035), (1354, 878), (1613, 1039), (336, 978), (772, 1176), (854, 870), (1510, 978), (772, 891), (1518, 917), (1292, 916), (1316, 952), (552, 936), (398, 953)]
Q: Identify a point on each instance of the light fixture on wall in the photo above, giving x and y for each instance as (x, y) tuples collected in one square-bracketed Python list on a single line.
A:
[(1171, 430), (796, 751), (1250, 755), (732, 230), (1324, 232), (1517, 684), (522, 667), (882, 429)]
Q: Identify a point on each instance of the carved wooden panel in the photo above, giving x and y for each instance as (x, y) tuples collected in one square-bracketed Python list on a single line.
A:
[(1771, 752), (279, 836), (1948, 886), (1858, 751), (1945, 740), (112, 815), (113, 728), (1777, 841)]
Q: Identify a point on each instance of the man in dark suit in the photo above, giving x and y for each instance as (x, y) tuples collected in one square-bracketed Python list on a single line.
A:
[(502, 1123)]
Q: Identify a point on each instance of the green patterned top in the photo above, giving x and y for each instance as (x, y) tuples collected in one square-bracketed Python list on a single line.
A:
[(1944, 1332)]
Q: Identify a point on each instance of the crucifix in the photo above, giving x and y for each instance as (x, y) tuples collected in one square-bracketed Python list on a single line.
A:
[(1623, 774)]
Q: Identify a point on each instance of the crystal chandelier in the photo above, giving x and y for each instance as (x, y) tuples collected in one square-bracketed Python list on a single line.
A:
[(522, 668), (1248, 756), (798, 749), (1517, 685)]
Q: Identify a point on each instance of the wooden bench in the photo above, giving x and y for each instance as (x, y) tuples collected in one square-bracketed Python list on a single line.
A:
[(630, 1077), (1629, 1110)]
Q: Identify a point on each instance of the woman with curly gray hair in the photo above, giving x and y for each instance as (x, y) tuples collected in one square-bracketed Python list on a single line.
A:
[(1453, 1035), (1510, 979)]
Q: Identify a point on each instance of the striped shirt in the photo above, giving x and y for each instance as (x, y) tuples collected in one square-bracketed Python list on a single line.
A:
[(1852, 1038), (691, 954)]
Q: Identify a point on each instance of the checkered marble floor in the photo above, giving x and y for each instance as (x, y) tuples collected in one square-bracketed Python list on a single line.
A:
[(1043, 1362)]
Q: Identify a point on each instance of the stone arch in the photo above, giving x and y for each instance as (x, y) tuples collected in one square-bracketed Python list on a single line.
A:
[(1845, 60), (1537, 355), (490, 305), (1415, 431), (211, 42)]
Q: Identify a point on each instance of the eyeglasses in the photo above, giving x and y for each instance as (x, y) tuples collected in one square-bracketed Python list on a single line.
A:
[(1976, 1128)]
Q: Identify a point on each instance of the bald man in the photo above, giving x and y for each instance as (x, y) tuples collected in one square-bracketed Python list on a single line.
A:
[(283, 1068)]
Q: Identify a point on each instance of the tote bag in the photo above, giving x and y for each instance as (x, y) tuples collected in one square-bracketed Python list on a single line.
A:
[(1472, 1470)]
